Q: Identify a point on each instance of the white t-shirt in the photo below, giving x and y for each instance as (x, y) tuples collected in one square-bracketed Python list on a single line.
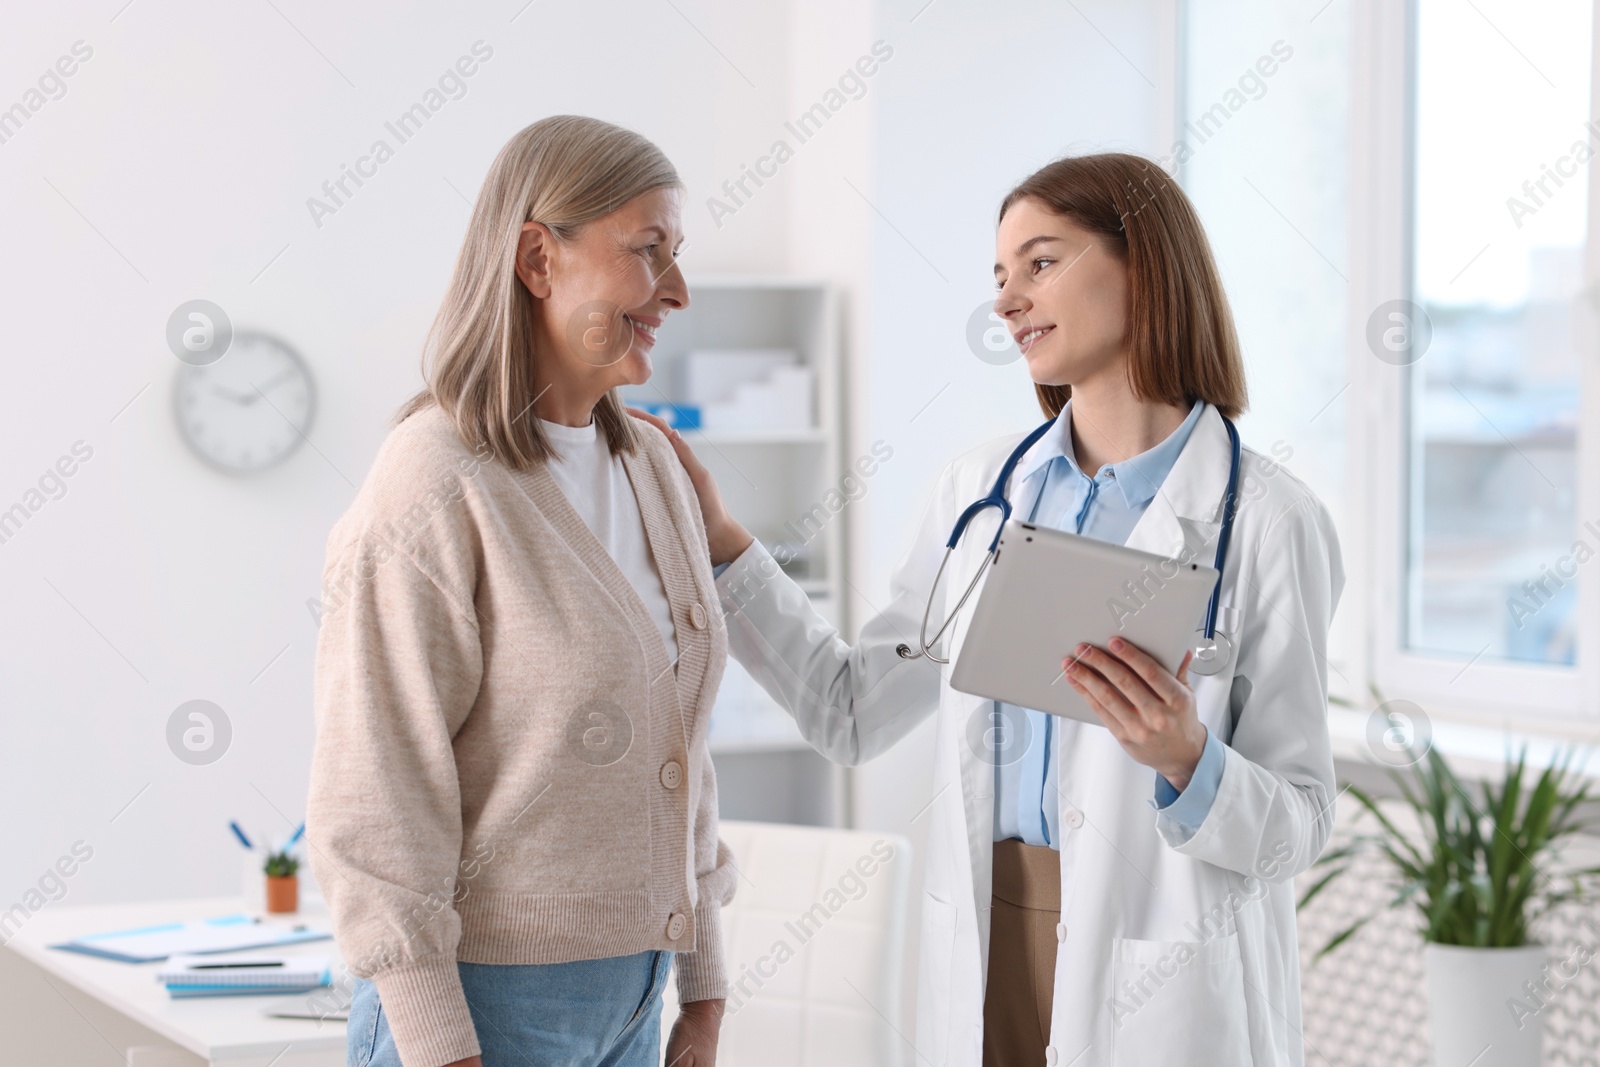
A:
[(596, 484)]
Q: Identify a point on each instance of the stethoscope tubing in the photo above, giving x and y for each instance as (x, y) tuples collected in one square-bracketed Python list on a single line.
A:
[(1230, 503)]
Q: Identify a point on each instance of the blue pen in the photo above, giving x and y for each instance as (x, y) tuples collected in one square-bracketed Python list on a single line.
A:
[(243, 840), (296, 837)]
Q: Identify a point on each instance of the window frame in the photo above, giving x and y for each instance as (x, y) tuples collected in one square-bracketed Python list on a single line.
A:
[(1558, 700)]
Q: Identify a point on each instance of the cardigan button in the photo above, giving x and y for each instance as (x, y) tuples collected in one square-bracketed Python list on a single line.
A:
[(1061, 932), (675, 926), (671, 774), (697, 616)]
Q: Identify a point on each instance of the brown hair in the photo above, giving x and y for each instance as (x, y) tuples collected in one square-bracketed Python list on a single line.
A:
[(563, 171), (1180, 332)]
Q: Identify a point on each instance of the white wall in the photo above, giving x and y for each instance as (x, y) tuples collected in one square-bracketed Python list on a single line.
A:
[(189, 142), (1272, 187)]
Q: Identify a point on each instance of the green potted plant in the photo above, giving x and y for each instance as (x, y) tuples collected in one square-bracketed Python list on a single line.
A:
[(283, 882), (1479, 874)]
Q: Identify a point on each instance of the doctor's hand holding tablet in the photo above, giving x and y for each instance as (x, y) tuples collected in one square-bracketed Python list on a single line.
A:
[(1124, 652)]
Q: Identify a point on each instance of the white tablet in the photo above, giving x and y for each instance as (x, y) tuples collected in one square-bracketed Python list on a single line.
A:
[(1048, 590)]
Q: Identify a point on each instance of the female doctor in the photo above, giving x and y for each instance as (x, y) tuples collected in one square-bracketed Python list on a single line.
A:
[(1118, 895)]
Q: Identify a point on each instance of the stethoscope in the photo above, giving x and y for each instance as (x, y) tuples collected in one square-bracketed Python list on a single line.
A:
[(1214, 651)]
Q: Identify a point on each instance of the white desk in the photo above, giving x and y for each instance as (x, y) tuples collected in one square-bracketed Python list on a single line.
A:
[(230, 1031)]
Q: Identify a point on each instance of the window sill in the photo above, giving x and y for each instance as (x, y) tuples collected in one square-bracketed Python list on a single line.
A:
[(1474, 751)]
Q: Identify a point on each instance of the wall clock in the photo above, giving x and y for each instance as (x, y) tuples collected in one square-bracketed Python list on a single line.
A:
[(248, 410)]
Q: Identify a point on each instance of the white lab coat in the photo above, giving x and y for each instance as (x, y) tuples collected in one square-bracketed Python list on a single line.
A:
[(1174, 951)]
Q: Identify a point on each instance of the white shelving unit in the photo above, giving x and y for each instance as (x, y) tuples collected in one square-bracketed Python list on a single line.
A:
[(778, 482)]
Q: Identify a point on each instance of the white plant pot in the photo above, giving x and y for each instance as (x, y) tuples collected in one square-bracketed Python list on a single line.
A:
[(1478, 1010)]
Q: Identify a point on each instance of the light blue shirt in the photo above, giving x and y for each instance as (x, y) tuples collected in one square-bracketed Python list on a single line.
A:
[(1105, 507)]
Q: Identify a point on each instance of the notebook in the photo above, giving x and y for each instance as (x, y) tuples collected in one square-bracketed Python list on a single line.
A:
[(244, 968), (227, 933), (193, 992), (242, 974)]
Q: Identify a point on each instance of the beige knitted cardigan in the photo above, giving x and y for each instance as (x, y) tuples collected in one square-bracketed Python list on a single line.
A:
[(508, 768)]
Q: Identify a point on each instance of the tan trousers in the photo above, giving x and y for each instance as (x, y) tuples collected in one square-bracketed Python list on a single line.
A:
[(1022, 954)]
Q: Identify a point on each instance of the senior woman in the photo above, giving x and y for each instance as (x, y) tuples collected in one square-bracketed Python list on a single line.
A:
[(513, 814)]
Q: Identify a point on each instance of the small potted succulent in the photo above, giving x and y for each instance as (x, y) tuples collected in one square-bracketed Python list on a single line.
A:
[(1482, 868), (283, 882)]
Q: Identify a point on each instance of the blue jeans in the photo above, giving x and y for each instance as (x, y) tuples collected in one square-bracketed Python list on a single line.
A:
[(591, 1013)]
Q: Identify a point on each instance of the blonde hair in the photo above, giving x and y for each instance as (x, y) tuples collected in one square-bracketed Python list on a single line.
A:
[(563, 171), (1180, 330)]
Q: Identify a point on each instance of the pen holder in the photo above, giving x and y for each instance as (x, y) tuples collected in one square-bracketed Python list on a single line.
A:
[(252, 880)]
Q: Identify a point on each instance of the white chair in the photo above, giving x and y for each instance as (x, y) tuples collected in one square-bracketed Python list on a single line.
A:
[(814, 938)]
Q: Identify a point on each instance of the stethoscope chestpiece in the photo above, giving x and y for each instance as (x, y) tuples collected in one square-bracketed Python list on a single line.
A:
[(1212, 655)]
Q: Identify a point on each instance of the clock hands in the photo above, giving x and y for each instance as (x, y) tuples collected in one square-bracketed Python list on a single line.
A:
[(290, 373), (246, 399)]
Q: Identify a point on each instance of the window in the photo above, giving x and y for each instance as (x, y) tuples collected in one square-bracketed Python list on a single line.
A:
[(1499, 203), (1401, 213), (1469, 278)]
